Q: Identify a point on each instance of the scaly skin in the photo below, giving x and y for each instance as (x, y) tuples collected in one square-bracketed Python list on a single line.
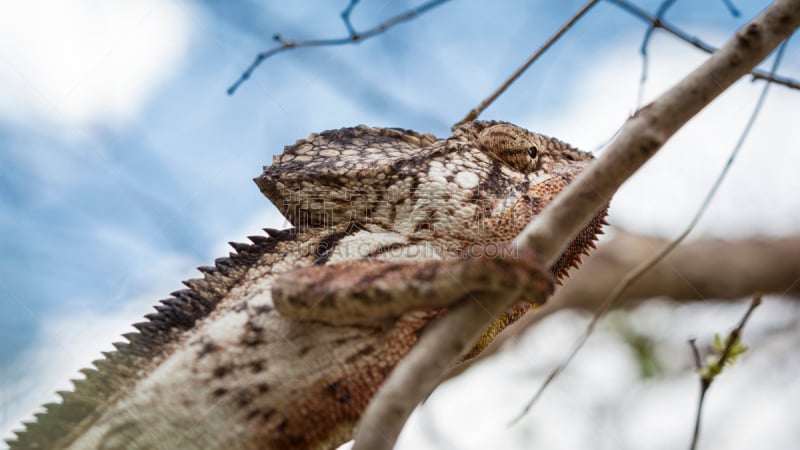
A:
[(219, 366)]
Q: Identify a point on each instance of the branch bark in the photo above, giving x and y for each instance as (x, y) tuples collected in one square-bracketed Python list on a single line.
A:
[(696, 271), (643, 135), (701, 270)]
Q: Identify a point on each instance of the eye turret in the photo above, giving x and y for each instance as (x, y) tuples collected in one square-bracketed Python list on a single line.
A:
[(513, 146)]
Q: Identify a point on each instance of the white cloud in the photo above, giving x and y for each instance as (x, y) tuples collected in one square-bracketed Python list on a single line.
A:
[(83, 62)]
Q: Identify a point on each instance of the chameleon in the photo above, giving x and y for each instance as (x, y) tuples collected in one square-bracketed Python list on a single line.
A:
[(283, 343)]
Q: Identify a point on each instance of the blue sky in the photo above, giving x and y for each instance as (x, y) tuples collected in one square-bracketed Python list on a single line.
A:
[(125, 164)]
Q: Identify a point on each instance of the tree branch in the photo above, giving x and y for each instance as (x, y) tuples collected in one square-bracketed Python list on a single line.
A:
[(352, 38), (647, 264), (665, 6), (732, 9), (475, 112), (657, 22), (696, 271), (643, 135)]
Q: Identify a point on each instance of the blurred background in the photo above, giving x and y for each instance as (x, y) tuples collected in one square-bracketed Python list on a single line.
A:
[(124, 164)]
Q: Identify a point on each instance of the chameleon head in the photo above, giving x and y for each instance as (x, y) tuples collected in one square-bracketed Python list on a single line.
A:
[(418, 185), (520, 172)]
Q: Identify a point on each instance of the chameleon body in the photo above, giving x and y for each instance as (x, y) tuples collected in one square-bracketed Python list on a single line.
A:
[(282, 344)]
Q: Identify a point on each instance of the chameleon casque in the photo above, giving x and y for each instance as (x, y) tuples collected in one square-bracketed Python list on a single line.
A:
[(283, 343)]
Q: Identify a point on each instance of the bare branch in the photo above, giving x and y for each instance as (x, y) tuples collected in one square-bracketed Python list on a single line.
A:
[(644, 134), (665, 5), (346, 17), (414, 378), (697, 43), (695, 271), (698, 360), (731, 8), (475, 112), (353, 38)]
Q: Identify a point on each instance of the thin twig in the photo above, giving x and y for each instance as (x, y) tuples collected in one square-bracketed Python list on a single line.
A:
[(415, 377), (697, 43), (665, 5), (346, 17), (710, 376), (701, 399), (475, 112), (736, 333), (648, 264), (729, 4), (698, 360), (352, 38)]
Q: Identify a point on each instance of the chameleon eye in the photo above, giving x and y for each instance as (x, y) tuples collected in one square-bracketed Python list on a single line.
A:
[(513, 146)]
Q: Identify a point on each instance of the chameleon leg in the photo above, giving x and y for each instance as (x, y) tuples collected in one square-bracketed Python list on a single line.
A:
[(363, 291)]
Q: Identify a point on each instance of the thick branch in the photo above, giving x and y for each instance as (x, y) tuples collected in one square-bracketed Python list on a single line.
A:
[(643, 135), (697, 271), (707, 269)]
